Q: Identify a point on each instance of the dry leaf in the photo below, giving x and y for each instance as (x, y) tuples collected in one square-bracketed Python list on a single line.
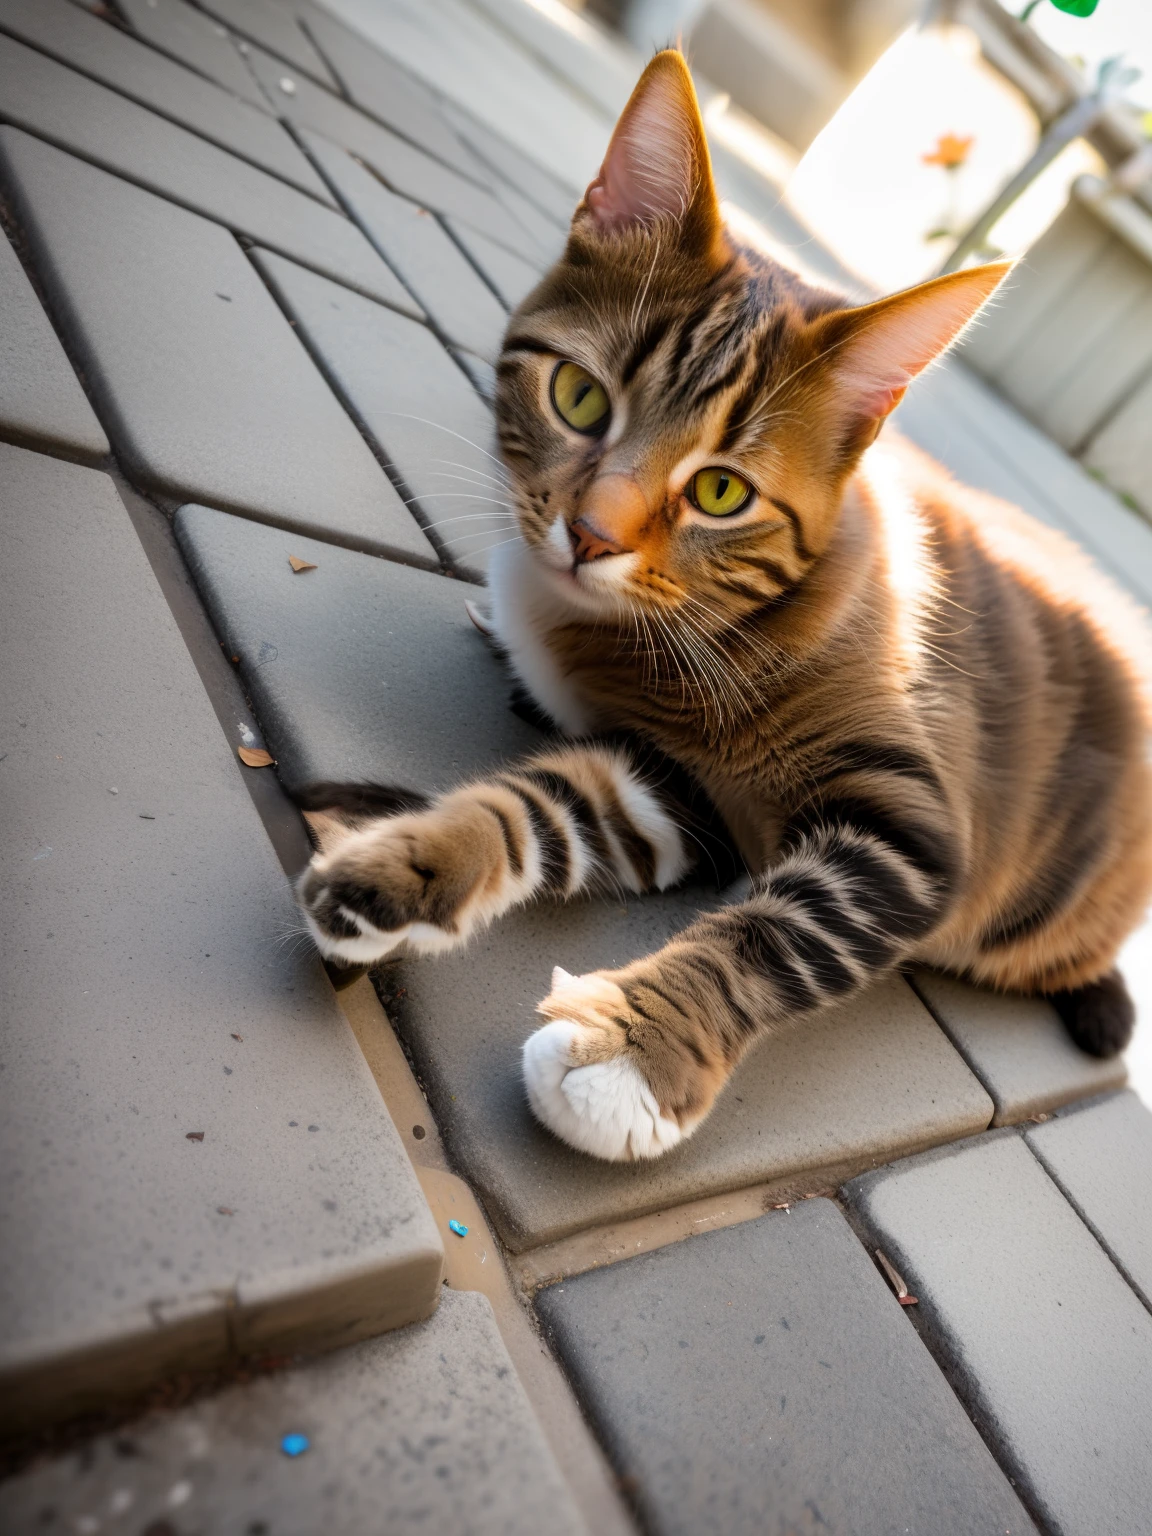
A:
[(255, 757), (299, 565)]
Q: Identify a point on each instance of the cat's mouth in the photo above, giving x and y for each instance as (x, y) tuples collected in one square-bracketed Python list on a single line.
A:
[(596, 586)]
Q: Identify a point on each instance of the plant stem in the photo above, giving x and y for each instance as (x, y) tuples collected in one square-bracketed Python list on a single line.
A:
[(1028, 9)]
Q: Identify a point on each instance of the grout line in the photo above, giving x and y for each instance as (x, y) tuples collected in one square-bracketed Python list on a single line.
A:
[(476, 1263), (391, 471), (1105, 1246), (962, 1385), (146, 106)]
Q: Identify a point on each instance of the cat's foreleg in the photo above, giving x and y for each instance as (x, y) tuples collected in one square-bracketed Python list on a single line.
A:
[(565, 821), (632, 1060)]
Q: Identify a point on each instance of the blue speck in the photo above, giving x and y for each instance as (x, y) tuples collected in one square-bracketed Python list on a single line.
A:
[(459, 1228), (294, 1445)]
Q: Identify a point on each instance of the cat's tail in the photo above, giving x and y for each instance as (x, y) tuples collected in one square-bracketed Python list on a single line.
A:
[(1100, 1017)]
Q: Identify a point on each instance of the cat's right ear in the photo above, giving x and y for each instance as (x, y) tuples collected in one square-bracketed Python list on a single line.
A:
[(657, 167)]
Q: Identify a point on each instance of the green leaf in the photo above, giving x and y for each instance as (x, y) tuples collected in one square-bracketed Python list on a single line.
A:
[(1076, 7)]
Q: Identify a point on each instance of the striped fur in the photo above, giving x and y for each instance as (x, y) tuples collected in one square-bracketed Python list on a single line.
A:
[(921, 718), (564, 823)]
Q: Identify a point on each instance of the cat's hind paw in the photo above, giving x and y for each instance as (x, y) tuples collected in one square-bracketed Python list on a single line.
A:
[(585, 1084)]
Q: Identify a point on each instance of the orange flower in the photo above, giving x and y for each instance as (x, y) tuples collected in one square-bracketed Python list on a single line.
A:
[(951, 151)]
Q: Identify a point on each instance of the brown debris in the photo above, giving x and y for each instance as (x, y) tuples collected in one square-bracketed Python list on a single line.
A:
[(299, 565), (255, 757), (896, 1281), (194, 1136)]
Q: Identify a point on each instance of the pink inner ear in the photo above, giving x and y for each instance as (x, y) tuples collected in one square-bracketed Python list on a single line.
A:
[(649, 171), (906, 333)]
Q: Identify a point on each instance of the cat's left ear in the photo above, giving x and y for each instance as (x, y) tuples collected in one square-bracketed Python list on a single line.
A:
[(875, 352), (657, 167)]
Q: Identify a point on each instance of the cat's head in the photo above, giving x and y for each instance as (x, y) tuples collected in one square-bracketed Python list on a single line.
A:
[(679, 415)]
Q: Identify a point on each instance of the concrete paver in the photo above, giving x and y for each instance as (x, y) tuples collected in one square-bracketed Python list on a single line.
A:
[(406, 169), (413, 400), (1044, 1338), (137, 71), (482, 374), (206, 390), (415, 245), (276, 28), (379, 85), (360, 669), (1101, 1157), (1017, 1047), (764, 1380), (549, 235), (514, 168), (458, 53), (99, 125), (41, 402), (179, 29), (512, 276), (197, 1160), (850, 1087), (425, 1430)]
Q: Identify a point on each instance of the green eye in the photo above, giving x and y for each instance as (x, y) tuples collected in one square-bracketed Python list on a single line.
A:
[(719, 492), (578, 398)]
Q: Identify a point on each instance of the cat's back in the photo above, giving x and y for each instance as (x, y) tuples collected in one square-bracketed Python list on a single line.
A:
[(990, 552)]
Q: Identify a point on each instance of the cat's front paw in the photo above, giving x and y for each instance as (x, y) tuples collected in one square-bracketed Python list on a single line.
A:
[(421, 880), (584, 1079)]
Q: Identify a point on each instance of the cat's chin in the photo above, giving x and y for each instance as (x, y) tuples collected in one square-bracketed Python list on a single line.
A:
[(592, 593)]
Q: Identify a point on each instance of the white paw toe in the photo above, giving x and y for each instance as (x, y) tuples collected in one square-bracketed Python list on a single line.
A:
[(605, 1108)]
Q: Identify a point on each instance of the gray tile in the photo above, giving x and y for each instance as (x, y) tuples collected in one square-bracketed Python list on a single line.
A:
[(460, 54), (41, 402), (426, 1430), (512, 276), (1016, 1046), (1049, 1346), (415, 245), (1101, 1157), (482, 374), (360, 669), (111, 56), (67, 109), (415, 403), (273, 26), (854, 1086), (548, 236), (304, 104), (148, 996), (763, 1380), (602, 68), (205, 389), (516, 169), (380, 86), (405, 168), (178, 29)]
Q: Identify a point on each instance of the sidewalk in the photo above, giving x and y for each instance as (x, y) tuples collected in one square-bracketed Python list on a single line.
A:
[(259, 255)]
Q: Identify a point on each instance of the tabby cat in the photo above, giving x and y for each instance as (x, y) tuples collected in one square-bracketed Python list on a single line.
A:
[(919, 715)]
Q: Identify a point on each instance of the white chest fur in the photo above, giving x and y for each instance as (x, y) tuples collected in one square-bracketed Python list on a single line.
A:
[(524, 606)]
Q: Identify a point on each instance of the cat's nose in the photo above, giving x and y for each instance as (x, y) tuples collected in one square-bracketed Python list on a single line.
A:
[(612, 518), (589, 544)]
